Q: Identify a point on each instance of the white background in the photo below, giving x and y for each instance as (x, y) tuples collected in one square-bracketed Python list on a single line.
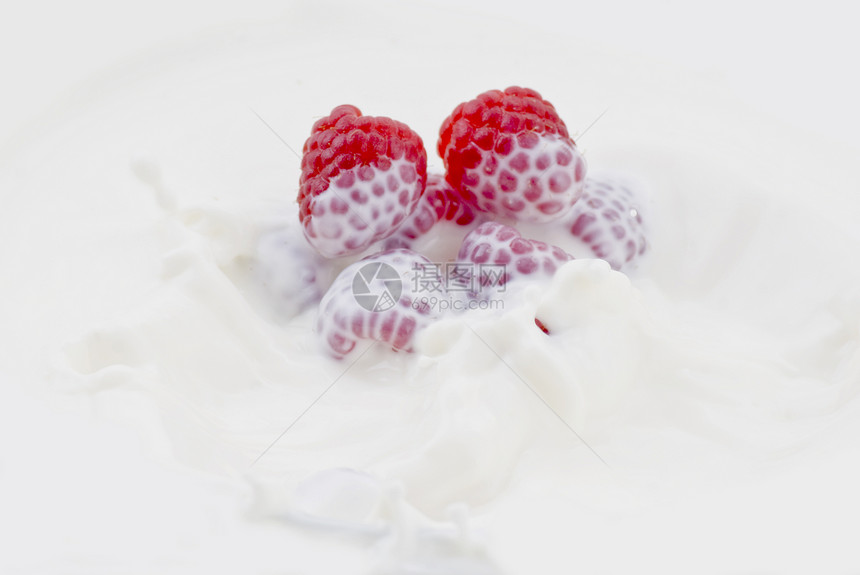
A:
[(796, 61)]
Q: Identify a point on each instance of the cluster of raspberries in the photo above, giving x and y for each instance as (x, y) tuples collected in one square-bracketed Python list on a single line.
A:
[(508, 158)]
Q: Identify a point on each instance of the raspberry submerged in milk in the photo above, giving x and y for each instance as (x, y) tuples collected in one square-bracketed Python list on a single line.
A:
[(508, 153), (361, 177)]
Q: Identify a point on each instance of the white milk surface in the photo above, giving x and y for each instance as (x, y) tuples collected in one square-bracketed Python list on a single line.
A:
[(167, 408)]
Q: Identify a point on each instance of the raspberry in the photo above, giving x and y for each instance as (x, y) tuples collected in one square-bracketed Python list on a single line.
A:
[(499, 254), (374, 299), (541, 326), (288, 271), (438, 202), (508, 153), (361, 177), (608, 219)]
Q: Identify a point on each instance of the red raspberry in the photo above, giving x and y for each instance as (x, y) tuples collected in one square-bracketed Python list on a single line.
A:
[(438, 202), (499, 254), (361, 177), (509, 153), (374, 299), (608, 219)]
